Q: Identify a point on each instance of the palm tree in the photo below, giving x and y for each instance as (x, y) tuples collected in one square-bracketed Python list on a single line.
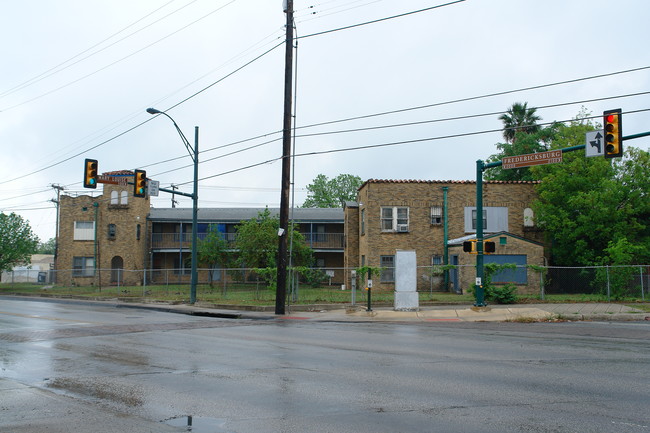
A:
[(519, 118)]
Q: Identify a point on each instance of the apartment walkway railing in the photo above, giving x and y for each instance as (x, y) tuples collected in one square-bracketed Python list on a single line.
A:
[(330, 241)]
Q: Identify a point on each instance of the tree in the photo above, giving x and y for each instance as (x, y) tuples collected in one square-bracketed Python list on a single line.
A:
[(324, 192), (214, 250), (48, 247), (519, 118), (17, 241), (523, 136), (525, 143), (257, 243), (590, 208)]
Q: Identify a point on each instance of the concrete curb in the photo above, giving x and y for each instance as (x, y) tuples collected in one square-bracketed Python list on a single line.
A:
[(347, 313)]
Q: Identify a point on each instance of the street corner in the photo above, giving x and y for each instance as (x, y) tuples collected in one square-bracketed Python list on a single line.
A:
[(495, 314)]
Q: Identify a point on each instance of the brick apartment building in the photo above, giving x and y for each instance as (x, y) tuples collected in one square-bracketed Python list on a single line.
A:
[(393, 215), (103, 237), (112, 238)]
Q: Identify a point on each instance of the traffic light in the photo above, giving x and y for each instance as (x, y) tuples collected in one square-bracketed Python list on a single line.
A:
[(139, 183), (469, 247), (613, 133), (489, 247), (90, 173)]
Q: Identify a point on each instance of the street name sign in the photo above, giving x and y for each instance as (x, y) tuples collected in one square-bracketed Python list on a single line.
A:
[(539, 158), (113, 180)]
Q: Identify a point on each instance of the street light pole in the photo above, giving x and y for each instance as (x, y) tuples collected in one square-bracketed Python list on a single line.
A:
[(194, 154)]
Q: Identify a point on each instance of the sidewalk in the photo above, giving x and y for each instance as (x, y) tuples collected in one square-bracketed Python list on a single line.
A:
[(456, 313)]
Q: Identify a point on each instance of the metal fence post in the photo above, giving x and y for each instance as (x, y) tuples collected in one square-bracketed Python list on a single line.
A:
[(608, 288)]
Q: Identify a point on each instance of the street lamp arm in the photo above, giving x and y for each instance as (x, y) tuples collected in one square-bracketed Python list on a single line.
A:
[(186, 142)]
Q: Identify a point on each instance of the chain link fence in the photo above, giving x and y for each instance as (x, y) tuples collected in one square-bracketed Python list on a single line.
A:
[(331, 284)]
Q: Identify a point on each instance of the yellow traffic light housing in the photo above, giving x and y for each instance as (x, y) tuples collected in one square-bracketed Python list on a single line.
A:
[(470, 246), (613, 133), (140, 183), (90, 173), (489, 247)]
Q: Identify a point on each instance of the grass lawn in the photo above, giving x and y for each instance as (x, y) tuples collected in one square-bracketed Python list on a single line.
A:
[(251, 294)]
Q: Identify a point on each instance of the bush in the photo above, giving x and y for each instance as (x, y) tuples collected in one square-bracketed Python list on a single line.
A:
[(506, 294)]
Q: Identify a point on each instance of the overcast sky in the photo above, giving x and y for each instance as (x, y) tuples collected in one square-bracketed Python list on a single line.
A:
[(77, 76)]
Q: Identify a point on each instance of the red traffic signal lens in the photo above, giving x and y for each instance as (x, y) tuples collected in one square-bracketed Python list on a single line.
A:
[(610, 118)]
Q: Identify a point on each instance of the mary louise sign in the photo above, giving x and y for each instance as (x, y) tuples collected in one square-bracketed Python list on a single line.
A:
[(540, 158)]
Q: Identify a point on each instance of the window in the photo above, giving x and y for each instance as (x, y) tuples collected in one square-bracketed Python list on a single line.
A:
[(363, 221), (436, 260), (83, 266), (475, 223), (395, 219), (124, 197), (84, 230), (529, 218), (495, 219), (436, 215), (137, 232), (112, 229), (113, 197), (387, 264)]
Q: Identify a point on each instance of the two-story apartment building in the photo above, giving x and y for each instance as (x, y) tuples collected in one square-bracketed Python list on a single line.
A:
[(433, 218), (115, 238), (171, 235)]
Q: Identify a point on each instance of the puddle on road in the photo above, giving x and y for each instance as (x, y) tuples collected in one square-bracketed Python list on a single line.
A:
[(198, 424)]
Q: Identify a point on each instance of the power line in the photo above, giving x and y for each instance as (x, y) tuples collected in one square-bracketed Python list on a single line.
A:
[(395, 143), (55, 69), (145, 121), (390, 126), (115, 62), (379, 20)]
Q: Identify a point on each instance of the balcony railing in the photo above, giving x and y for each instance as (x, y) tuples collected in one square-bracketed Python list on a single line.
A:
[(315, 241)]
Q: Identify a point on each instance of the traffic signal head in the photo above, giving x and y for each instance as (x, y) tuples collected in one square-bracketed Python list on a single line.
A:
[(489, 247), (613, 133), (90, 173), (469, 247), (140, 183)]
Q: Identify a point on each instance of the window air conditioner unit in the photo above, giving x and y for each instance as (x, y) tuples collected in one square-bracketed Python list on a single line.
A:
[(402, 228)]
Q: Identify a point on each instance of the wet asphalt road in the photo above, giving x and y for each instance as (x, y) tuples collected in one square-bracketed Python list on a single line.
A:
[(117, 369)]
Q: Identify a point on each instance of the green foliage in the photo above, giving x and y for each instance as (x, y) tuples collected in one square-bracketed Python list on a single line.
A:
[(505, 294), (48, 247), (214, 250), (17, 241), (517, 119), (327, 193), (619, 254), (312, 276), (586, 203), (539, 141), (257, 243)]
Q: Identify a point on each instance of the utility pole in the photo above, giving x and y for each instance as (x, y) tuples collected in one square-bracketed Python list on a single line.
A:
[(58, 189), (283, 232)]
